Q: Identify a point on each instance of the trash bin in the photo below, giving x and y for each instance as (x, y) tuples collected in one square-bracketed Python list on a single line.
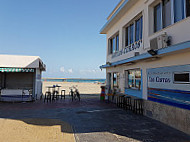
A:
[(102, 95)]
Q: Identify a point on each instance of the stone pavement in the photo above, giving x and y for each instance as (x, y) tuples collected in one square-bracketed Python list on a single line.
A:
[(95, 121)]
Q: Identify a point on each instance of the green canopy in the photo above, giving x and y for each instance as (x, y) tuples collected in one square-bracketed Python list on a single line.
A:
[(16, 70)]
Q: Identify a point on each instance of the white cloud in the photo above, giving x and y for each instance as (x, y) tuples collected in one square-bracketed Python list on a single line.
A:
[(90, 71), (70, 70), (62, 69)]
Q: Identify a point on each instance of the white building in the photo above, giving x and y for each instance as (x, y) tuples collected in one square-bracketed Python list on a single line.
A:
[(148, 56), (20, 77)]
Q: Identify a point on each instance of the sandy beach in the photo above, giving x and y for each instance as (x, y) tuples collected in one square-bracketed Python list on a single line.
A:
[(35, 130), (84, 88)]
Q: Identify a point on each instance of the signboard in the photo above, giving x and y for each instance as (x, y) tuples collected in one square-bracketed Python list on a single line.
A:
[(132, 47), (170, 85)]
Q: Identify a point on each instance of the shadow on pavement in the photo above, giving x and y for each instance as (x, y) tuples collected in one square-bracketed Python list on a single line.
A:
[(93, 120)]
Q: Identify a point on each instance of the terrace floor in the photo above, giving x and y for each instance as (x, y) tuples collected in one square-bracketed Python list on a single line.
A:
[(89, 120)]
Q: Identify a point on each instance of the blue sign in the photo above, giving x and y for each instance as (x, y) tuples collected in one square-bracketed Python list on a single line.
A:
[(163, 87)]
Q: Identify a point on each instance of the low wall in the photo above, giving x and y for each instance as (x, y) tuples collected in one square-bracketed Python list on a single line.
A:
[(175, 117)]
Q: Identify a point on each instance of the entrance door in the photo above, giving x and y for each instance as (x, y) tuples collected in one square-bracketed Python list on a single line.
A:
[(108, 83)]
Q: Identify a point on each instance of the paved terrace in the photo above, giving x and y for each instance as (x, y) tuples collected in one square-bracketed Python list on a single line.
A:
[(91, 121)]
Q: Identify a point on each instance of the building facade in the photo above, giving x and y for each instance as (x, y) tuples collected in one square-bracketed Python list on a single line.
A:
[(20, 78), (148, 56)]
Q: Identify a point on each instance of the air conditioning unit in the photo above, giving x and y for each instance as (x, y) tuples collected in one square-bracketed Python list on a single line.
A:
[(136, 53), (159, 42)]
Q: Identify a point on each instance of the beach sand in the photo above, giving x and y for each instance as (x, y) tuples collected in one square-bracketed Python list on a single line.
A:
[(45, 130), (35, 130), (84, 88)]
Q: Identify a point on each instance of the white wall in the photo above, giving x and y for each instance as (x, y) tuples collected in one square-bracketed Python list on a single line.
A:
[(38, 83), (178, 31), (164, 61)]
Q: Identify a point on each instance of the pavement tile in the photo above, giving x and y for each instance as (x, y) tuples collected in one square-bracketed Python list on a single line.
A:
[(96, 121)]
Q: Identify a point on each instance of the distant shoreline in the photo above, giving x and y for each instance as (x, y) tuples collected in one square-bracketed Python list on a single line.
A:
[(80, 80)]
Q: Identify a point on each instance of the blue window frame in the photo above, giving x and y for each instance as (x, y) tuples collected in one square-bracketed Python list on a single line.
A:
[(138, 29), (134, 31), (179, 10), (114, 44), (134, 79), (157, 18), (117, 43), (168, 12), (131, 34)]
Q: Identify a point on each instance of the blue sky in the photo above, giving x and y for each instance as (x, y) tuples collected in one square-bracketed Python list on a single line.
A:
[(64, 33)]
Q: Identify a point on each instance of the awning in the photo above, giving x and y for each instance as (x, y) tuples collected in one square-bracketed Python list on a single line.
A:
[(16, 70)]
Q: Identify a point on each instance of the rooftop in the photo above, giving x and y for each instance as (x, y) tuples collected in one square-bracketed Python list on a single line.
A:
[(18, 61)]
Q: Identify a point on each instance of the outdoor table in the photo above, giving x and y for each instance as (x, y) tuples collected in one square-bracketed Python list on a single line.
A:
[(62, 94), (57, 86), (51, 92), (57, 91), (50, 87)]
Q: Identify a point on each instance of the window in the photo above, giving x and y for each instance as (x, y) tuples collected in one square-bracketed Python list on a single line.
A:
[(133, 32), (115, 79), (166, 13), (131, 35), (170, 11), (126, 37), (134, 79), (114, 44), (110, 49), (117, 43), (157, 18), (179, 10), (138, 29), (182, 77)]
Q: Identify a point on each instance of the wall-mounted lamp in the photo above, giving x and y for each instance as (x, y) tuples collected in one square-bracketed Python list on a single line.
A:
[(152, 52), (108, 63), (130, 63)]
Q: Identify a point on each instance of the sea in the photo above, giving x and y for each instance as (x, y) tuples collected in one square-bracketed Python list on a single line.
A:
[(75, 80)]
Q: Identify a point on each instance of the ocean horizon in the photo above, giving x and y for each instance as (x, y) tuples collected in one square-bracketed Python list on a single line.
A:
[(82, 80)]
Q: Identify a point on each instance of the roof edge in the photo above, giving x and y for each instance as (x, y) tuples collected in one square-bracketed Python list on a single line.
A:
[(102, 30), (115, 9)]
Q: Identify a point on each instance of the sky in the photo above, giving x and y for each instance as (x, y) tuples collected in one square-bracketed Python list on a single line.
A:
[(64, 33)]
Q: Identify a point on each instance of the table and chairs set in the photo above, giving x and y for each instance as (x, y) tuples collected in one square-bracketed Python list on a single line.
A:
[(54, 93), (128, 102)]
